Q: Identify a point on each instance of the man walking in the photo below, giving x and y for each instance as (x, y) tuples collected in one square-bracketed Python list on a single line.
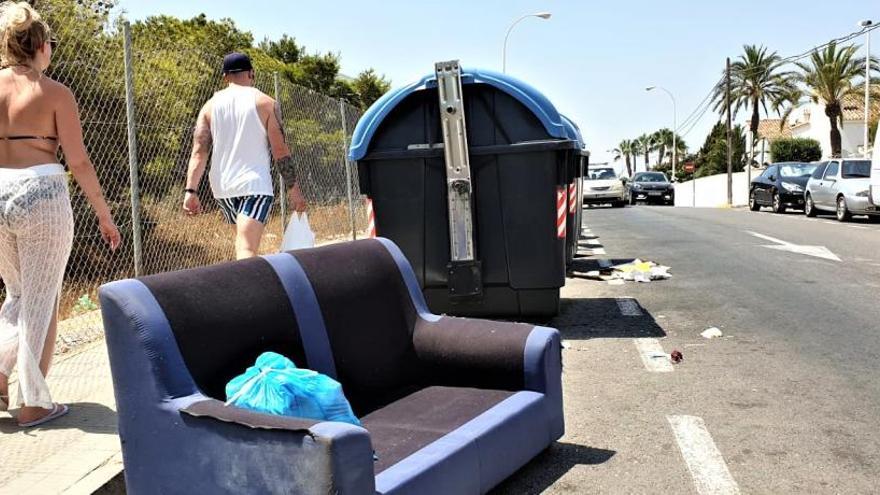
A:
[(244, 127)]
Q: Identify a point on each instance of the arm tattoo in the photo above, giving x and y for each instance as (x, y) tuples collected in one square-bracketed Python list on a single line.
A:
[(280, 120), (202, 139), (287, 170)]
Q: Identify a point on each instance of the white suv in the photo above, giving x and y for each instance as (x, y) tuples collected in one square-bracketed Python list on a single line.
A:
[(602, 185)]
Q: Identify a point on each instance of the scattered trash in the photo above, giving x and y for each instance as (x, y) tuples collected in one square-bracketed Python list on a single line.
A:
[(676, 356), (712, 333), (635, 271)]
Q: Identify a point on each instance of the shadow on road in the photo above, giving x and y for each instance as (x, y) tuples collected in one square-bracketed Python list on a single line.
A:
[(583, 264), (596, 318), (551, 465)]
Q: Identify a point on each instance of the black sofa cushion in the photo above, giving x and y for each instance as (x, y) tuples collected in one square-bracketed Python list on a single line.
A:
[(369, 318), (405, 426), (224, 316)]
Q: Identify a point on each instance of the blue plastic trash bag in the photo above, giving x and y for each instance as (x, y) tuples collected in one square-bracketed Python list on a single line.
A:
[(274, 385)]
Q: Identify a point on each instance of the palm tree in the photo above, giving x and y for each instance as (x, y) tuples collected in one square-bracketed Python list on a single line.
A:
[(625, 149), (829, 77), (662, 143), (645, 144), (757, 79)]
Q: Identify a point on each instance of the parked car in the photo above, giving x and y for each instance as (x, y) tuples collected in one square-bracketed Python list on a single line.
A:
[(603, 185), (781, 186), (651, 187), (841, 186)]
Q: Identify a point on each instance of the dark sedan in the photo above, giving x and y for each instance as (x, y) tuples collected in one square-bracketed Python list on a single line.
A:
[(781, 186), (651, 187)]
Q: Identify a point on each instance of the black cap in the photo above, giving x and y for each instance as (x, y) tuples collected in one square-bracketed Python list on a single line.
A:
[(236, 62)]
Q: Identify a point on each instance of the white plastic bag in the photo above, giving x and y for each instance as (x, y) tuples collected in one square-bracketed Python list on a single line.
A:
[(298, 234)]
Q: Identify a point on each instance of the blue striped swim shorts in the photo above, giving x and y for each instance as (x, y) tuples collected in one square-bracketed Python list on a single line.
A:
[(256, 207)]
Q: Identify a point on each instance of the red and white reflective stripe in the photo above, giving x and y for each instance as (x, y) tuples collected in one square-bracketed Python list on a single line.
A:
[(561, 212), (572, 198), (371, 219)]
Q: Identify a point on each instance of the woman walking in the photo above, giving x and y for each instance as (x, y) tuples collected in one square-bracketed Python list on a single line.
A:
[(37, 116)]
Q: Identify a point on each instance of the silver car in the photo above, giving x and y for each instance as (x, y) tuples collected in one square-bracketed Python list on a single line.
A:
[(841, 186)]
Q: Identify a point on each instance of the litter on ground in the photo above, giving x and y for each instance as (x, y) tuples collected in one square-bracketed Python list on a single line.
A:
[(712, 333), (634, 271)]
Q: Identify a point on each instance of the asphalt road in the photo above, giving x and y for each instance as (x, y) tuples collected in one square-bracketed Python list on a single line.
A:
[(788, 397)]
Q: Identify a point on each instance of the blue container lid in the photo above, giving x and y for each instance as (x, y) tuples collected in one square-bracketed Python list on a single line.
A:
[(572, 131), (524, 93)]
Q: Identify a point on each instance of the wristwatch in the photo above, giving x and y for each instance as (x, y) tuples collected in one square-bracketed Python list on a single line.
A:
[(188, 190)]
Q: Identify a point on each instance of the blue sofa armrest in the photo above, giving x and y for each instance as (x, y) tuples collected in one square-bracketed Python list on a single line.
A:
[(312, 456)]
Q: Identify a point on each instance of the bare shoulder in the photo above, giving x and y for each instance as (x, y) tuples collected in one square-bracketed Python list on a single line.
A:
[(264, 101), (56, 90)]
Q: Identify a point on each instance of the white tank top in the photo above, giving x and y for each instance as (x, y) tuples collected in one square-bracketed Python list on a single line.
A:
[(240, 160)]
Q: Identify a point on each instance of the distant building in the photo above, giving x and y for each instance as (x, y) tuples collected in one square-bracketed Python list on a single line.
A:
[(810, 121)]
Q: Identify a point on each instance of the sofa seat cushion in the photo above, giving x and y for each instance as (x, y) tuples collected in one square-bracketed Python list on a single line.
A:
[(405, 426), (421, 450)]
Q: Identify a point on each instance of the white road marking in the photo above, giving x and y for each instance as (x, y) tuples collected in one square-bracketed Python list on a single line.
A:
[(628, 307), (594, 242), (653, 357), (704, 461), (860, 227), (598, 251), (815, 251)]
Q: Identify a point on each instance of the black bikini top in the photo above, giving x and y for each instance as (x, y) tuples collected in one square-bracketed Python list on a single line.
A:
[(23, 138)]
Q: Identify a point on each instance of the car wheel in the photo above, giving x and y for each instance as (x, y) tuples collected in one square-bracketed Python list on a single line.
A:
[(843, 213), (753, 203), (874, 218), (778, 207), (618, 204), (809, 207)]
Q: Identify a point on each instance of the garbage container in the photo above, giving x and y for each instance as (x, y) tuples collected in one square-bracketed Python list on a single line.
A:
[(519, 156), (578, 162)]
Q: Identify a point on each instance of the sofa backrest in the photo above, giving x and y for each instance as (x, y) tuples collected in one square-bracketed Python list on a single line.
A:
[(369, 316), (223, 316)]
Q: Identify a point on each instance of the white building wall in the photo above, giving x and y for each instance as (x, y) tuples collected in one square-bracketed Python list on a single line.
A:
[(712, 191), (819, 128)]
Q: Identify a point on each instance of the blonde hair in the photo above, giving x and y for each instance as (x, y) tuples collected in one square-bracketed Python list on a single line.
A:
[(22, 33)]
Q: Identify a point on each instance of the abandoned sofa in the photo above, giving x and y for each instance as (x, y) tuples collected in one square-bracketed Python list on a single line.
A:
[(448, 405)]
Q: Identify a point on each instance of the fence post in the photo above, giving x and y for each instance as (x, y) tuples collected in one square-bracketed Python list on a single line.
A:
[(283, 194), (347, 170), (132, 153)]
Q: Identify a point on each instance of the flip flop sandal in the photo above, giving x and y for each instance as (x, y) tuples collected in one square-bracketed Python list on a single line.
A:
[(4, 406), (58, 410)]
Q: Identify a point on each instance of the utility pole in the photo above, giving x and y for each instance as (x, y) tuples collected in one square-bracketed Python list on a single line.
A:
[(865, 25), (729, 140)]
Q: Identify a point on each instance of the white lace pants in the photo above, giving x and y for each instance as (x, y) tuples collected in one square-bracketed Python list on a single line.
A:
[(36, 233)]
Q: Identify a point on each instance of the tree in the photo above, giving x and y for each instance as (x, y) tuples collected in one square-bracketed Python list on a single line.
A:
[(829, 77), (627, 150), (757, 79), (663, 142), (285, 49), (370, 87), (645, 146), (712, 157), (795, 150)]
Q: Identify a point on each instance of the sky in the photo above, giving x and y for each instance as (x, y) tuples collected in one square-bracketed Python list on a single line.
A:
[(592, 59)]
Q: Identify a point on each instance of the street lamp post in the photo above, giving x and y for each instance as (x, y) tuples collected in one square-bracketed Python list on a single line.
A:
[(674, 126), (865, 25), (542, 15)]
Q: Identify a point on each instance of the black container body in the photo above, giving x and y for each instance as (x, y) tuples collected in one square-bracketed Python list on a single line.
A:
[(516, 169)]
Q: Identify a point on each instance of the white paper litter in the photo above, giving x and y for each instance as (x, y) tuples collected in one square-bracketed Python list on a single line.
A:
[(712, 333)]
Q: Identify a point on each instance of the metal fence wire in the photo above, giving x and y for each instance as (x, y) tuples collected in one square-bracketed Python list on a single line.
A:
[(140, 143)]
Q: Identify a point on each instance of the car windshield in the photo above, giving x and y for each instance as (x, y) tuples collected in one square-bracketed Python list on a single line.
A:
[(601, 174), (797, 169), (856, 169), (651, 177)]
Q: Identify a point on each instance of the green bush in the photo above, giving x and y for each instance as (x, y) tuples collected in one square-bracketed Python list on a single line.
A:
[(796, 150)]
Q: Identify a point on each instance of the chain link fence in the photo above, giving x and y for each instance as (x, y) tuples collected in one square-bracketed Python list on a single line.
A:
[(141, 146)]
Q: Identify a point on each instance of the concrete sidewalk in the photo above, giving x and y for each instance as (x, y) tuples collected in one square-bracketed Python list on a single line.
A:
[(78, 453)]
